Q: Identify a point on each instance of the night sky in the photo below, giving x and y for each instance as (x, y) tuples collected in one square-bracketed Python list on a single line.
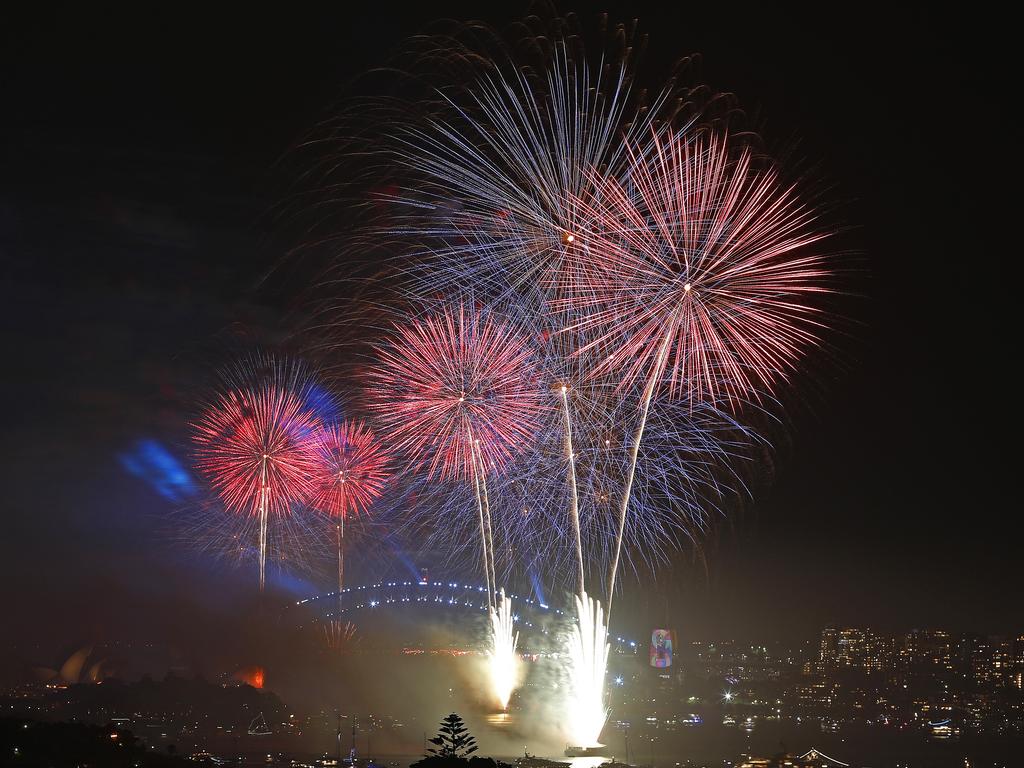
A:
[(138, 162)]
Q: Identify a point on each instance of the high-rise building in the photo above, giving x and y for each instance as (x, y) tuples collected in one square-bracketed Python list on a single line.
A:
[(987, 661), (856, 649), (1017, 675), (1003, 661), (926, 651)]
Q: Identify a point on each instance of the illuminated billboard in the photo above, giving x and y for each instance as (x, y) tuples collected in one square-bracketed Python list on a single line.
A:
[(661, 648)]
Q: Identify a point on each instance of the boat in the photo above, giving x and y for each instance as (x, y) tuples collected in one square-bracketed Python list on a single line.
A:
[(532, 761), (828, 725), (749, 724), (944, 730), (728, 720), (204, 756), (259, 727), (598, 751)]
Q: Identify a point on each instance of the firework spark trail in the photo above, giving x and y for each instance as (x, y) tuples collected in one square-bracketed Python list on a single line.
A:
[(631, 473), (503, 662), (691, 464), (264, 509), (294, 542), (574, 505), (485, 551), (341, 562), (570, 447), (489, 536), (588, 656), (253, 443), (678, 488), (339, 635)]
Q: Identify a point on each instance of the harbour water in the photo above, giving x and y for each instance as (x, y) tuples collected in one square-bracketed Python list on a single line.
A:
[(720, 746)]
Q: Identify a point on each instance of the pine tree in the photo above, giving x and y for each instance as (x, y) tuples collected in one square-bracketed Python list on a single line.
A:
[(453, 739)]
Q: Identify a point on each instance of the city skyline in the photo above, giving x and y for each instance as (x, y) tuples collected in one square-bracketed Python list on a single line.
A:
[(945, 687)]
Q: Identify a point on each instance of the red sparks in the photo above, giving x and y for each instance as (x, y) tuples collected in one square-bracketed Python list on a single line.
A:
[(457, 377), (352, 469), (254, 445), (696, 268)]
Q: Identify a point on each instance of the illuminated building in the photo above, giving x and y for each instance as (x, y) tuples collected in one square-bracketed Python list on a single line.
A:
[(1017, 675), (857, 649), (811, 759), (927, 650), (988, 661), (1003, 662)]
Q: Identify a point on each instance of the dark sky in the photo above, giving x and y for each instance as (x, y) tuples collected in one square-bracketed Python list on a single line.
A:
[(138, 161)]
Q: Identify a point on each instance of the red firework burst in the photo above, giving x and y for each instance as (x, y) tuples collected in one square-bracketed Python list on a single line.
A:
[(254, 443), (696, 268), (352, 469), (457, 377)]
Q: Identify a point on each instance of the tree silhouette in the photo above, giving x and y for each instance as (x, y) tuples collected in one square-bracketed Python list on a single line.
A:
[(453, 747), (453, 739)]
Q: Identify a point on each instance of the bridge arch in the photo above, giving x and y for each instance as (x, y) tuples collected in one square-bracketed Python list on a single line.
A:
[(528, 612)]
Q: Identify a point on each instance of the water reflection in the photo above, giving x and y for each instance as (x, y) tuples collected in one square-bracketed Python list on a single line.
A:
[(587, 762)]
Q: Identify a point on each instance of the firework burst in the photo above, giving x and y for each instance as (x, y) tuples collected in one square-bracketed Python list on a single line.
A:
[(495, 182), (701, 272), (338, 635), (253, 443), (686, 477), (456, 391), (352, 471)]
